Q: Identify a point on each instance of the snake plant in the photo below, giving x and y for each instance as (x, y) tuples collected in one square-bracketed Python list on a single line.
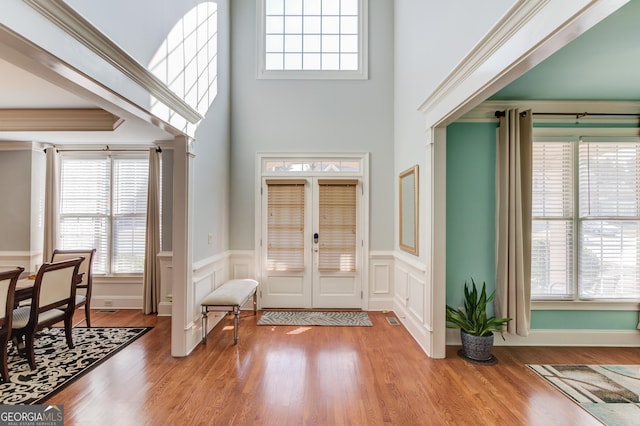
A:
[(473, 318)]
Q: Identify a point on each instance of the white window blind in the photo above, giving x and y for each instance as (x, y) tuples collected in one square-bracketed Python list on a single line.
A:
[(552, 225), (129, 214), (609, 215), (102, 206), (586, 217), (285, 225), (337, 226)]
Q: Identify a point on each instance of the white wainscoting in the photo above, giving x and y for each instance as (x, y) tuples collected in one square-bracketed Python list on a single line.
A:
[(381, 282), (29, 260), (412, 300), (121, 292), (208, 274), (241, 264), (166, 283)]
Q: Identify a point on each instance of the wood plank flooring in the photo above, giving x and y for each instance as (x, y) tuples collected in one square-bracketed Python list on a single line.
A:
[(318, 376)]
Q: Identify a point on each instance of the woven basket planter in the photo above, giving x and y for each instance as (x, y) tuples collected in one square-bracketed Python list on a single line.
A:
[(477, 347)]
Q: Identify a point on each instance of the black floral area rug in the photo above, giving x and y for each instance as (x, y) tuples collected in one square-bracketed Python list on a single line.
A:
[(57, 366)]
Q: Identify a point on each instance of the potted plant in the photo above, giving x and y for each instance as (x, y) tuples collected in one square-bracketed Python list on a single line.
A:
[(476, 328)]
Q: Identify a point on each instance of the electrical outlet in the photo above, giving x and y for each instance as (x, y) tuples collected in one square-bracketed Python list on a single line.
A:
[(210, 239), (108, 303)]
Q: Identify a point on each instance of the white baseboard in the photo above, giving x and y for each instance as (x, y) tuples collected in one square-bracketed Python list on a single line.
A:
[(164, 309), (116, 302), (587, 338)]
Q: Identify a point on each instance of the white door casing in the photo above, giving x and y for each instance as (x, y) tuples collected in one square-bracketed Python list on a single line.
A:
[(295, 269)]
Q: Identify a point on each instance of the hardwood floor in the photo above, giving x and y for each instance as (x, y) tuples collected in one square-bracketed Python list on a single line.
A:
[(318, 376)]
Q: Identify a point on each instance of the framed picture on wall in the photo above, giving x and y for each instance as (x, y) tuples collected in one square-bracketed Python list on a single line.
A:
[(408, 182)]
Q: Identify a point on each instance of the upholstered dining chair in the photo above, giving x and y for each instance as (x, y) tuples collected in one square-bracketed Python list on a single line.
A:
[(54, 293), (8, 280), (84, 298)]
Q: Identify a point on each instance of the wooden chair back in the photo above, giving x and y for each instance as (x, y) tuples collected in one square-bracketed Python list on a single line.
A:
[(8, 281)]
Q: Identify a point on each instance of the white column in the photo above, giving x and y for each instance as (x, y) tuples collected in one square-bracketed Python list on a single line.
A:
[(437, 281), (182, 314)]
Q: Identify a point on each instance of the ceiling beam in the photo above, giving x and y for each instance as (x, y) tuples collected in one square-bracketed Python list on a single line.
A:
[(57, 120)]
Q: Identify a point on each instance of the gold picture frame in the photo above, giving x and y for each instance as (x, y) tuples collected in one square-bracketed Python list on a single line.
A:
[(408, 190)]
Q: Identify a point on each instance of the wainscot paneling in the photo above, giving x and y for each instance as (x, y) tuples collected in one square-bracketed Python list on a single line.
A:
[(411, 290), (117, 292), (166, 283), (241, 264), (208, 274), (29, 260), (381, 280)]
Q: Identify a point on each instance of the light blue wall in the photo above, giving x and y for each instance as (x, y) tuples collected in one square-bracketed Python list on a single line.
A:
[(312, 116), (471, 229)]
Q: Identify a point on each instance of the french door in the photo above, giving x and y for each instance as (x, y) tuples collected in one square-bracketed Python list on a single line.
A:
[(310, 245)]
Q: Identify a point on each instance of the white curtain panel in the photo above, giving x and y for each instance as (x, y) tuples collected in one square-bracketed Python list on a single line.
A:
[(151, 296), (513, 211), (51, 203)]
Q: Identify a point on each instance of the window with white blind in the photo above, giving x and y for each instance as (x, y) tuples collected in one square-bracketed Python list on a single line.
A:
[(337, 226), (312, 39), (285, 225), (586, 220), (103, 203)]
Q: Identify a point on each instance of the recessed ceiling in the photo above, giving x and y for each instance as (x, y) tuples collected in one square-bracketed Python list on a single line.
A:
[(601, 64), (21, 89)]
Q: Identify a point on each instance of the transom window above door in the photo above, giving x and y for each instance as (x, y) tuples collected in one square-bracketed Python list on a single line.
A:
[(312, 39)]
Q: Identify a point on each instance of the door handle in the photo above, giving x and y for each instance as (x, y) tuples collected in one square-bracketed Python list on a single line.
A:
[(315, 238)]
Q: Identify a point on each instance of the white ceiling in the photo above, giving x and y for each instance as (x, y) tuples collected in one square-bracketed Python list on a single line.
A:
[(21, 89)]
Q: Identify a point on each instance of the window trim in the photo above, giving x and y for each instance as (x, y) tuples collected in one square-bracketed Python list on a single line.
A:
[(362, 73), (574, 302)]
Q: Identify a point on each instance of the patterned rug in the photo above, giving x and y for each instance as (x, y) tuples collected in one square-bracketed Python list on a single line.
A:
[(611, 393), (57, 365), (340, 318)]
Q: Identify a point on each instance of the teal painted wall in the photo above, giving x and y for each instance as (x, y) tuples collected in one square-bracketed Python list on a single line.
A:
[(471, 229), (470, 207)]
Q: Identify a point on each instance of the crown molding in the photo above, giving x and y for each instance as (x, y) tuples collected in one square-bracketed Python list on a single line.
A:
[(70, 21), (22, 146), (527, 34), (514, 20), (56, 120)]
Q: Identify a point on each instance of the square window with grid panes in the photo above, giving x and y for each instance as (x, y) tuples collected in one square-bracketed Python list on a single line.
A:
[(312, 35)]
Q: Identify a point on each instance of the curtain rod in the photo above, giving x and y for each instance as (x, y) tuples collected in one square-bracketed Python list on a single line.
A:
[(575, 114), (106, 149)]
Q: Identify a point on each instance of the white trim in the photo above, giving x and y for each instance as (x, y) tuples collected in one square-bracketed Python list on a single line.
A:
[(21, 146), (581, 338), (363, 209), (411, 261), (585, 305), (201, 264), (70, 21), (362, 73), (528, 33)]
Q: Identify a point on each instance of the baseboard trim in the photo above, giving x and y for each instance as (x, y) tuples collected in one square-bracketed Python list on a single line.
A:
[(585, 338)]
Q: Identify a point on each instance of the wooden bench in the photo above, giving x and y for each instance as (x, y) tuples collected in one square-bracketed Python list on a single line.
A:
[(229, 297)]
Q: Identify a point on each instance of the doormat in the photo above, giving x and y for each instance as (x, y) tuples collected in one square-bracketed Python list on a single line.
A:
[(57, 366), (610, 393), (330, 318)]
